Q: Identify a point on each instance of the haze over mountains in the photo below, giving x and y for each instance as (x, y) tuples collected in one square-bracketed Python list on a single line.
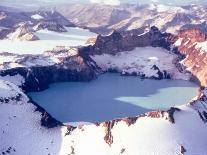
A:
[(36, 3), (103, 19), (106, 18)]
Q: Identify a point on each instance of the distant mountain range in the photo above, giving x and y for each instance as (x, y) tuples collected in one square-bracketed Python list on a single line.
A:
[(39, 3), (20, 25), (104, 18)]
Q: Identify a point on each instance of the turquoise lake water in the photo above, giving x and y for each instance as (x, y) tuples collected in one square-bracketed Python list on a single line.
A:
[(112, 96)]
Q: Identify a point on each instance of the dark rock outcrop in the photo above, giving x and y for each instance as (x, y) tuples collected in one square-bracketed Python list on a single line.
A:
[(108, 136), (127, 41), (50, 25), (171, 112), (14, 98), (48, 121), (182, 150), (39, 77)]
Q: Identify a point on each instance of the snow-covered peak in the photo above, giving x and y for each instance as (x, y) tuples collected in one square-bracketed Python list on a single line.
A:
[(37, 17)]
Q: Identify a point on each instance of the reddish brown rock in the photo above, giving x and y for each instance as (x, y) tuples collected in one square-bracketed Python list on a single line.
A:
[(69, 129), (195, 58), (194, 35), (108, 137), (155, 114)]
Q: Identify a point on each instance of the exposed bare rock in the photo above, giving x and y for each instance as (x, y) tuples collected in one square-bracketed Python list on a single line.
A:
[(195, 35), (23, 33), (69, 129), (171, 112), (50, 25), (191, 43), (39, 71), (130, 120), (182, 150), (104, 19), (48, 121), (122, 151), (108, 135), (29, 37), (72, 150), (10, 18), (167, 115), (91, 41), (127, 41), (12, 98)]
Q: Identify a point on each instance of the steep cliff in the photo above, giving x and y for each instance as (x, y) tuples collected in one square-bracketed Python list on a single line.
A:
[(127, 41), (38, 71), (147, 55), (192, 44)]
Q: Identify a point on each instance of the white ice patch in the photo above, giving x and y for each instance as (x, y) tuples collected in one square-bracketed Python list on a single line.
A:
[(37, 17), (178, 42), (35, 47), (48, 41)]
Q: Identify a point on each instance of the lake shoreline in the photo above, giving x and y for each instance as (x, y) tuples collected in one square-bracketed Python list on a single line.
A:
[(118, 99)]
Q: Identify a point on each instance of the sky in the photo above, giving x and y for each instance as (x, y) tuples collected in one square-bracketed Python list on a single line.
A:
[(30, 3)]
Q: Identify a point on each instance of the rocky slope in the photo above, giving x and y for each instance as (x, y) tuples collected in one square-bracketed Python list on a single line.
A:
[(50, 25), (12, 23), (147, 55), (23, 33), (192, 44), (179, 130), (103, 19), (38, 71)]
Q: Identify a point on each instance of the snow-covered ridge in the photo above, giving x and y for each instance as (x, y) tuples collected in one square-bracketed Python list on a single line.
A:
[(168, 18), (57, 55), (20, 125), (192, 44)]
